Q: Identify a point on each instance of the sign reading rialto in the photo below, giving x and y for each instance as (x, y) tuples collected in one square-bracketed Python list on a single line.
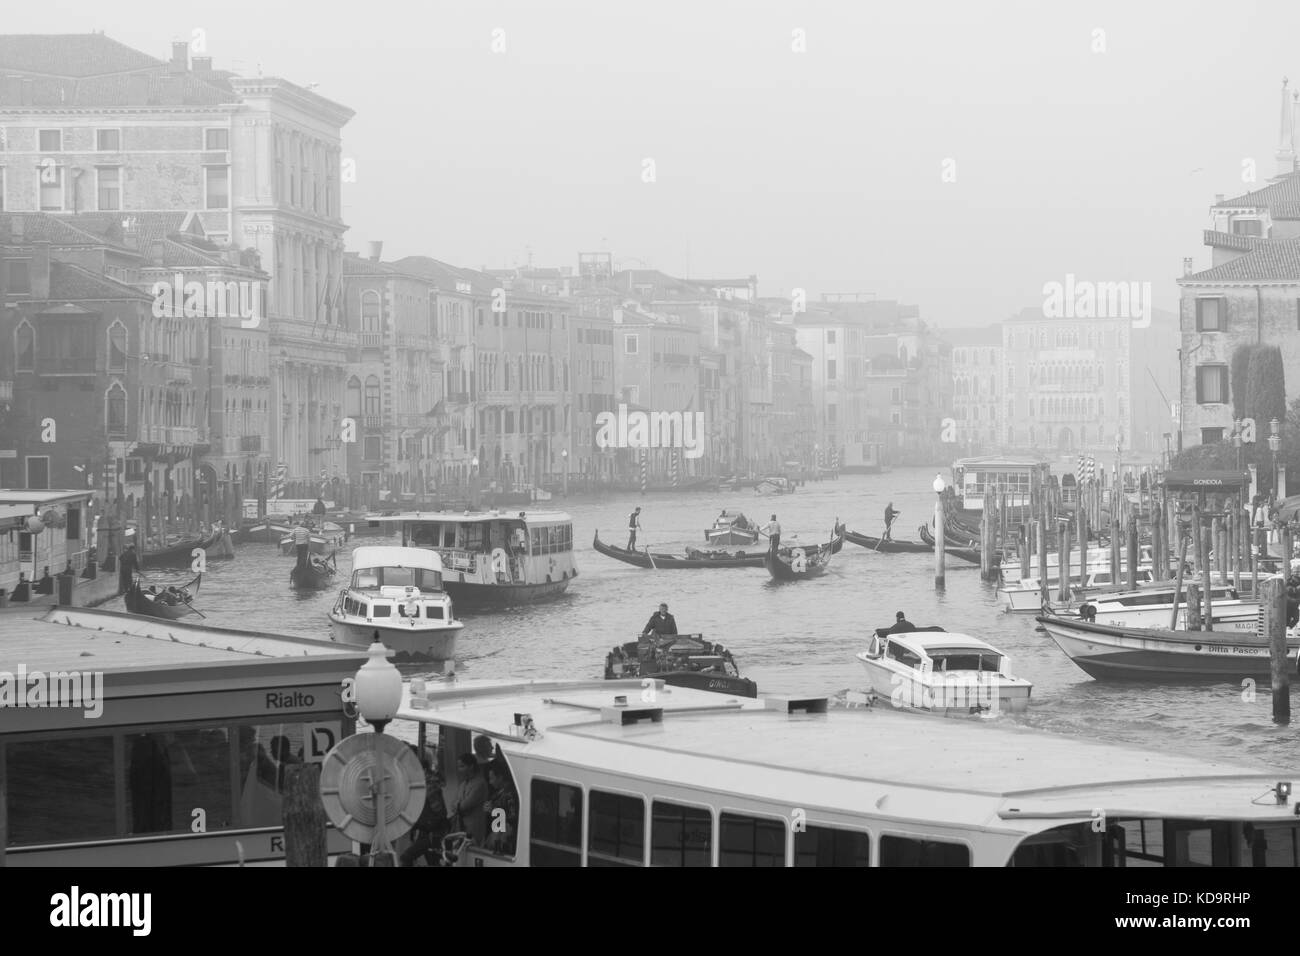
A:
[(684, 430), (210, 299)]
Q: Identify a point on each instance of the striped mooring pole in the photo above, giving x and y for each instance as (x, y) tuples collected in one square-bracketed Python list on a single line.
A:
[(676, 453), (645, 471)]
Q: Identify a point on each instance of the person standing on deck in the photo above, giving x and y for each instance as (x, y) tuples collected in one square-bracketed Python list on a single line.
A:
[(773, 531), (633, 526), (890, 515), (302, 543), (661, 622)]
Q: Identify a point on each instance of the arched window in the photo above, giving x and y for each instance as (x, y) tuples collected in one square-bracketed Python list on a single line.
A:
[(24, 347), (115, 412), (354, 396), (372, 395), (117, 347), (370, 311)]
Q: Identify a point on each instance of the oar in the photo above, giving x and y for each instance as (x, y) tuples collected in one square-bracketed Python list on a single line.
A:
[(651, 557)]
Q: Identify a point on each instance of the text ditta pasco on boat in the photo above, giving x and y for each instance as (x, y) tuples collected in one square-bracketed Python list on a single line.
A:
[(41, 689)]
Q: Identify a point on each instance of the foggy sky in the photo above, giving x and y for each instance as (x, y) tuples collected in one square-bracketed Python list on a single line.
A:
[(819, 170)]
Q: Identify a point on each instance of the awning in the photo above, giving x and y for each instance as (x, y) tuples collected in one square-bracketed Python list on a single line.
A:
[(1206, 480)]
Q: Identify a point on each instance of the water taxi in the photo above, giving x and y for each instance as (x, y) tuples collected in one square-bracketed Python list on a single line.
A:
[(731, 527), (494, 559), (396, 596), (678, 777), (931, 669)]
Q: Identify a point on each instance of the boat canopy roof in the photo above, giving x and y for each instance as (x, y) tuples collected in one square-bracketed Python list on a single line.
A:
[(915, 766), (474, 517), (932, 642), (394, 557)]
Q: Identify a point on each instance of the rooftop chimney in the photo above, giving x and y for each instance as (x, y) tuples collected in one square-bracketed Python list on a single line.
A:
[(1218, 199), (1187, 266), (374, 250), (201, 64), (180, 57), (40, 269)]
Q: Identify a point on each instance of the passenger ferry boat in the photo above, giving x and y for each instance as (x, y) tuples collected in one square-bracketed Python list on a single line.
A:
[(931, 669), (396, 597), (493, 559), (1026, 596), (681, 777)]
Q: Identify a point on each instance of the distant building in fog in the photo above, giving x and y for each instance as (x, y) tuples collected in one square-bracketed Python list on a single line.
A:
[(977, 388)]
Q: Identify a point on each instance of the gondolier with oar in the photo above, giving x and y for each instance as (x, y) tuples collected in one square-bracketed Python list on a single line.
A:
[(773, 531), (890, 516), (302, 542), (633, 526)]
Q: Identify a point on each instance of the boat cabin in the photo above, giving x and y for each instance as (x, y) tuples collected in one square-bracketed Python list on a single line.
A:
[(40, 529), (1020, 479), (938, 652)]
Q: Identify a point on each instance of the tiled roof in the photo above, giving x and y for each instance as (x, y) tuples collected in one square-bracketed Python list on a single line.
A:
[(435, 269), (1281, 199), (1268, 260), (147, 225), (73, 283), (70, 54), (42, 227)]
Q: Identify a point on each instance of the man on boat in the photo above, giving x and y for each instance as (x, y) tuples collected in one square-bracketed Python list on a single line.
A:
[(773, 532), (901, 625), (633, 526), (302, 542), (890, 515), (319, 507), (661, 622)]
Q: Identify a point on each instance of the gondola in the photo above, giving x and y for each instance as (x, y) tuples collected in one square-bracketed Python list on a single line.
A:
[(966, 554), (314, 576), (682, 660), (694, 559), (793, 562), (837, 538), (887, 545), (182, 552), (170, 604)]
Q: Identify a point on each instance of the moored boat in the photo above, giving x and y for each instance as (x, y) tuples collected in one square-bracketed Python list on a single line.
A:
[(1026, 595), (682, 660), (793, 562), (887, 545), (775, 485), (957, 551), (731, 527), (931, 669), (396, 596), (178, 550), (694, 558), (494, 559), (316, 575), (1109, 652), (170, 603)]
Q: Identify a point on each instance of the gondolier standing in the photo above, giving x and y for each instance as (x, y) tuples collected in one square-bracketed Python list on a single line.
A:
[(773, 531), (302, 542), (890, 515), (633, 526)]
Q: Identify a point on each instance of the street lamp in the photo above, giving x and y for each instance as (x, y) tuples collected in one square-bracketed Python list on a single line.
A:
[(939, 549), (1274, 443), (564, 457), (379, 694), (1236, 440)]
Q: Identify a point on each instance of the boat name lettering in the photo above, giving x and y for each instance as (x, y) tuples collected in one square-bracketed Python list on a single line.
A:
[(1233, 649), (279, 700)]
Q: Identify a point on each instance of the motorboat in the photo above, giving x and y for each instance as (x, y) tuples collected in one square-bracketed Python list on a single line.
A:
[(932, 669), (1026, 595), (396, 597), (794, 562), (731, 528), (682, 660)]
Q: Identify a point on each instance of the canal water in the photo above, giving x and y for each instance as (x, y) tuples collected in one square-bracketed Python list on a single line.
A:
[(796, 638)]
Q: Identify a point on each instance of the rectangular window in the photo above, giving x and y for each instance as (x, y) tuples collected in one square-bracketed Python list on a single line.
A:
[(680, 836), (38, 472), (1211, 384), (616, 831), (630, 345), (217, 187), (216, 139), (556, 820), (108, 140), (1211, 436), (895, 395), (906, 851), (109, 188), (60, 790), (1247, 227), (50, 141), (20, 276), (827, 846), (750, 841), (51, 184), (169, 774), (830, 370), (830, 336), (1211, 314), (373, 448)]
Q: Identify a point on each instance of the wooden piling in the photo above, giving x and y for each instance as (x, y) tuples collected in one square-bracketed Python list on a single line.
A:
[(1178, 586), (1194, 621), (940, 549), (1023, 535), (304, 817), (1083, 546), (1275, 608), (1132, 552), (1207, 579), (1114, 549), (1286, 550), (1043, 594), (1063, 565)]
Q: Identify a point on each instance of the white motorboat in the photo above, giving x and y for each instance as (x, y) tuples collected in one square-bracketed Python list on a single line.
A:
[(1098, 559), (938, 671), (1026, 596), (396, 597), (731, 528)]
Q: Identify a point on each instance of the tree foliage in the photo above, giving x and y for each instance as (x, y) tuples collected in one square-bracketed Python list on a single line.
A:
[(1240, 361)]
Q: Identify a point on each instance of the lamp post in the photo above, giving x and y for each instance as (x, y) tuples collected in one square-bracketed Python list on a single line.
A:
[(1274, 443), (564, 459), (1236, 440), (939, 550), (473, 482), (379, 694)]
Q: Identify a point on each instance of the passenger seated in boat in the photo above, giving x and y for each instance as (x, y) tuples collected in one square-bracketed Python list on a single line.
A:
[(901, 625), (467, 810), (661, 622)]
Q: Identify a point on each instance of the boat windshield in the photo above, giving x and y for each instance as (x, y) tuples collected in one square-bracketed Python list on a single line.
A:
[(1158, 842), (420, 578), (965, 660)]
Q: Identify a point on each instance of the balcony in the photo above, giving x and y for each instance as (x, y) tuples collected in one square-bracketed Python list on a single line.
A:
[(250, 443), (371, 340), (178, 374), (374, 422), (181, 436)]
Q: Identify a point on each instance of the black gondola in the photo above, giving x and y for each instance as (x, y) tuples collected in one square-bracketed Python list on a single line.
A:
[(313, 576), (694, 559), (887, 545), (682, 660), (794, 563), (169, 603), (966, 554), (182, 552)]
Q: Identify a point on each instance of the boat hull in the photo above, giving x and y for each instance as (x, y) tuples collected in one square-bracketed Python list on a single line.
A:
[(887, 546), (718, 683), (310, 579), (794, 567), (664, 562), (486, 597), (732, 537), (408, 644), (1113, 653), (178, 554), (949, 694)]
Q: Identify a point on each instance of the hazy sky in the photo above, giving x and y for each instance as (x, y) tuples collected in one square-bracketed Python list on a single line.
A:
[(820, 170)]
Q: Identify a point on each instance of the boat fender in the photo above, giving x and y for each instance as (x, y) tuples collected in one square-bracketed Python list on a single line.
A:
[(873, 649)]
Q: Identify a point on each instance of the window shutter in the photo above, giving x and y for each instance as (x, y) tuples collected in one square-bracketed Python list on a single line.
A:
[(1199, 390)]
